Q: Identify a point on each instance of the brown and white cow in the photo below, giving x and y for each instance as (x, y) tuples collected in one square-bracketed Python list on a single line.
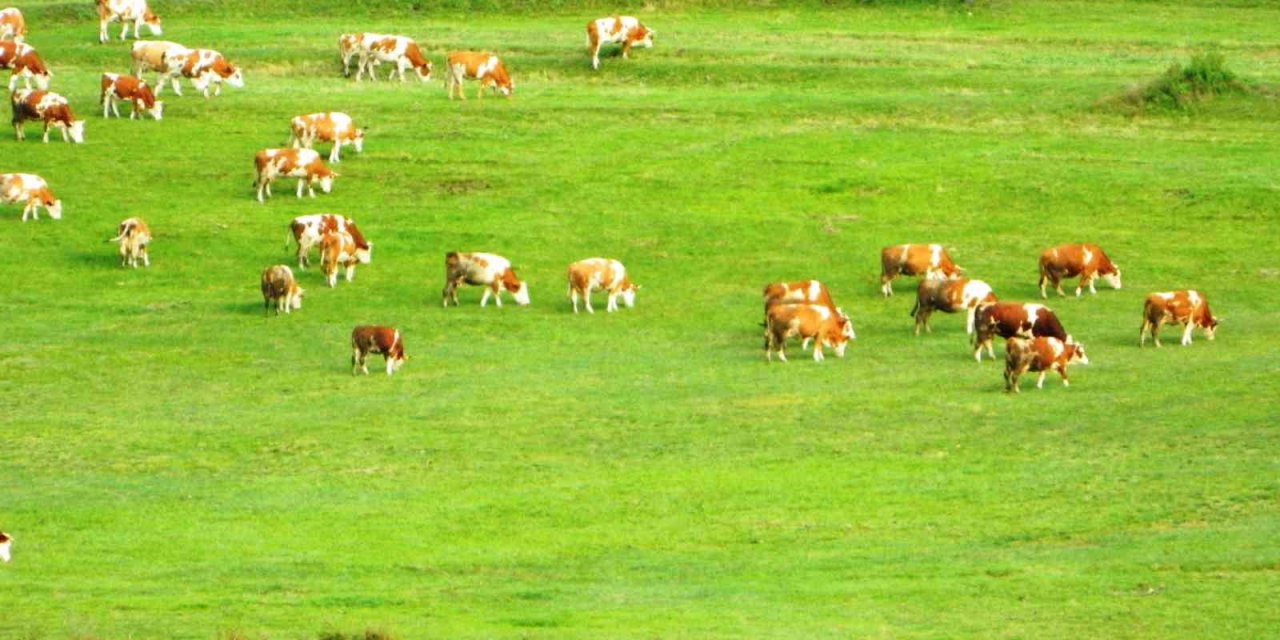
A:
[(338, 249), (25, 64), (203, 66), (12, 26), (816, 322), (949, 296), (303, 164), (400, 51), (32, 191), (1014, 319), (6, 542), (601, 273), (118, 87), (1071, 260), (126, 11), (931, 260), (476, 65), (133, 235), (1187, 307), (348, 48), (308, 231), (149, 55), (1042, 355), (624, 30), (370, 339), (49, 108), (811, 291), (493, 272), (280, 289), (330, 126)]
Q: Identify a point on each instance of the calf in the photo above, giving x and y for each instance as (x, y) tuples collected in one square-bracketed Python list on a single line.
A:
[(949, 296), (1071, 260), (6, 541), (625, 30), (338, 249), (303, 164), (279, 288), (400, 51), (1188, 307), (12, 25), (493, 272), (484, 67), (333, 126), (126, 11), (118, 87), (308, 231), (600, 273), (25, 64), (33, 192), (808, 321), (931, 260), (384, 340), (1039, 354), (203, 66), (49, 108), (1014, 319), (133, 236)]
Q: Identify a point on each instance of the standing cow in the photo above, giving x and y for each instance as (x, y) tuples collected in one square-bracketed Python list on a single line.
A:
[(126, 11), (1014, 319), (12, 25), (24, 64), (819, 323), (483, 67), (133, 235), (930, 260), (118, 87), (204, 67), (400, 51), (949, 296), (1189, 308), (601, 273), (1070, 260), (280, 289), (33, 192), (303, 164), (384, 340), (49, 108), (624, 30), (493, 272), (1042, 355), (332, 126), (308, 231), (338, 249)]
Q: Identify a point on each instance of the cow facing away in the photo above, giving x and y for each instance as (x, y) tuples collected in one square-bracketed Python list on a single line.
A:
[(280, 289), (485, 68), (24, 64), (1189, 308), (303, 164), (1070, 260), (332, 126), (149, 55), (929, 260), (133, 235), (369, 339), (400, 51), (308, 231), (338, 250), (126, 11), (1014, 319), (205, 67), (1042, 355), (32, 192), (12, 25), (6, 542), (117, 87), (49, 108), (493, 272), (624, 30), (823, 325), (949, 296), (601, 273)]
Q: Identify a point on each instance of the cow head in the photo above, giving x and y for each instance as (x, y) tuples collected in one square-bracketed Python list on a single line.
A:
[(325, 177), (295, 298), (518, 288), (396, 357), (42, 80), (628, 290), (232, 76), (54, 208), (153, 22), (76, 131), (521, 294), (1112, 277), (364, 254), (423, 70), (357, 141), (848, 324), (839, 334), (5, 541), (1209, 324), (1075, 352), (156, 110), (641, 36)]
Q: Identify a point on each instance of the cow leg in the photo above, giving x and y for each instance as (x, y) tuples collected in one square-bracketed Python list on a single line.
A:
[(262, 187), (573, 297), (301, 184), (1186, 333), (106, 109), (626, 49), (484, 299), (351, 272), (177, 87), (333, 154), (969, 317), (1062, 371), (886, 285), (102, 31), (46, 131), (146, 259), (817, 351), (124, 30), (497, 294), (355, 359), (1040, 378), (587, 297)]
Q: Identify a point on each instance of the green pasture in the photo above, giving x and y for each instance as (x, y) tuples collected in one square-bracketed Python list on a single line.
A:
[(177, 464)]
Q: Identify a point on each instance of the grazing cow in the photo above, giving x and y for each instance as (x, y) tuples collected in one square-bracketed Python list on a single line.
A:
[(601, 273), (384, 340), (6, 541), (203, 66), (279, 288), (1014, 319), (808, 321), (12, 25), (624, 30), (491, 271), (1039, 354), (126, 11), (915, 259), (118, 87), (1071, 260), (338, 249), (25, 64), (949, 296), (32, 191), (1188, 307), (133, 236), (48, 107), (332, 126), (149, 55), (401, 51), (485, 67), (308, 231), (348, 48), (303, 164)]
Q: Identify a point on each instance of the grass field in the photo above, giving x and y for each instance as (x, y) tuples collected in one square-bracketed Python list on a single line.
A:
[(178, 465)]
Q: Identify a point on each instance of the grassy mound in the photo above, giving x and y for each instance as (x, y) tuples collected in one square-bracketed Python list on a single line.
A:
[(1181, 87)]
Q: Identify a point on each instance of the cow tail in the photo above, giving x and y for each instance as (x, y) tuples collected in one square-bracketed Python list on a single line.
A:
[(914, 308)]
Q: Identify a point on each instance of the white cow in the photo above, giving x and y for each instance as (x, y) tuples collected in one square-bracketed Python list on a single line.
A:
[(126, 11), (32, 192)]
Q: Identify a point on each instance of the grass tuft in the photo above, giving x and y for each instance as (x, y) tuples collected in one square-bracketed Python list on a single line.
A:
[(1181, 87)]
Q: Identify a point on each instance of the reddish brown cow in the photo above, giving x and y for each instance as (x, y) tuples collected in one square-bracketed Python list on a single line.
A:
[(118, 87), (23, 62), (303, 164), (949, 296), (1039, 354), (49, 108), (1188, 307), (484, 67), (338, 249), (625, 30), (308, 231), (370, 339), (280, 288), (1071, 260), (931, 260), (808, 321), (491, 271), (1014, 319)]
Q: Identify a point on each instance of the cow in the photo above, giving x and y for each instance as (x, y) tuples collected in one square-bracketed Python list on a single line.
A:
[(624, 30), (48, 107), (308, 231), (6, 542), (484, 67), (601, 273), (931, 260), (384, 340), (332, 126), (348, 48), (279, 288), (1071, 260), (33, 192), (1014, 319), (810, 291), (493, 272), (808, 321), (401, 51), (1188, 307), (25, 64), (126, 11), (303, 164), (118, 87), (149, 55), (12, 25), (203, 66), (338, 249), (1039, 354), (949, 296), (133, 236)]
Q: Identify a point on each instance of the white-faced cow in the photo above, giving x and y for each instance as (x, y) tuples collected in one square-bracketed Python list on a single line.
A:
[(308, 231), (400, 51), (1071, 260), (949, 296), (385, 340), (1188, 307), (624, 30), (24, 64), (303, 164), (331, 126), (12, 25), (49, 108), (117, 87), (493, 272), (204, 67), (929, 260), (1042, 355), (6, 542), (126, 11), (476, 65), (816, 322), (1014, 319), (601, 273), (280, 289), (133, 235), (32, 192), (338, 250)]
